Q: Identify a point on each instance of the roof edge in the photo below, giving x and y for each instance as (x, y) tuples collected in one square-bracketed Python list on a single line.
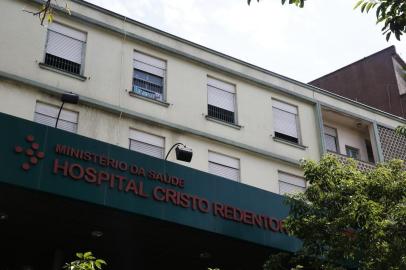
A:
[(391, 49)]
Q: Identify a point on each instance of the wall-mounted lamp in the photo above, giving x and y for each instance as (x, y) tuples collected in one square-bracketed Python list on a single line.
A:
[(67, 98), (3, 216), (183, 153)]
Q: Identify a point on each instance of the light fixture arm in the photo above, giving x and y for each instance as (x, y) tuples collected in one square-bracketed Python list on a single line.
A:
[(173, 146), (59, 114)]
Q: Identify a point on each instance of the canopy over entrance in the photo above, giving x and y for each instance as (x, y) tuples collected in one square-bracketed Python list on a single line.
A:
[(43, 231)]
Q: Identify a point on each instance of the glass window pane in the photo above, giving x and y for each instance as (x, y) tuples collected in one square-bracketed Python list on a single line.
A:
[(331, 143)]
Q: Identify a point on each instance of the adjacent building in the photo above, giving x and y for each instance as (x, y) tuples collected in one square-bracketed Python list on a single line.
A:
[(99, 181), (377, 80)]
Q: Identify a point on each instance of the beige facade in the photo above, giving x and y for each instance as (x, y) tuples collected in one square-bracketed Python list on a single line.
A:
[(107, 109)]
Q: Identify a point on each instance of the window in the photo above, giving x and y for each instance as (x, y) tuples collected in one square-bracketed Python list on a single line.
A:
[(285, 120), (147, 143), (221, 100), (290, 184), (149, 76), (330, 137), (46, 114), (352, 152), (224, 166), (65, 48), (370, 152)]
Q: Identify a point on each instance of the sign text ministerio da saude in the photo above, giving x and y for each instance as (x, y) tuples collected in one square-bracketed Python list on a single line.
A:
[(169, 189)]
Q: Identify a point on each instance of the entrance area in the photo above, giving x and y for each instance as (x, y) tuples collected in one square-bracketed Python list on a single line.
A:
[(39, 231)]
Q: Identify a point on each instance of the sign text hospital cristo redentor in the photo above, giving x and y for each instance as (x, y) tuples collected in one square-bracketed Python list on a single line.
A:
[(169, 189)]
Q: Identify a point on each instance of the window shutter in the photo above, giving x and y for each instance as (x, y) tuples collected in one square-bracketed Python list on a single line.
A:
[(284, 107), (290, 184), (285, 123), (149, 64), (221, 99), (147, 149), (147, 143), (65, 43), (221, 85), (285, 188), (224, 166), (221, 94), (46, 114)]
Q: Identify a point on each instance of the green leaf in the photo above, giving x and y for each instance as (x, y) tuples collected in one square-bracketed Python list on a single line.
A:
[(388, 36), (87, 254), (358, 4), (363, 6), (369, 6), (101, 261), (79, 255)]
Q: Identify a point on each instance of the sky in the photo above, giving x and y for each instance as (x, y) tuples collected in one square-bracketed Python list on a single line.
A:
[(302, 44)]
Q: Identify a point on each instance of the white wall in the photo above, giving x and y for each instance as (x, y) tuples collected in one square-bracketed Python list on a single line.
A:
[(350, 136), (108, 68), (256, 170)]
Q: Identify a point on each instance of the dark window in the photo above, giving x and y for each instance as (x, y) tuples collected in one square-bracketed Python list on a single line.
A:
[(286, 137), (148, 85), (352, 152), (370, 152), (221, 114), (62, 64)]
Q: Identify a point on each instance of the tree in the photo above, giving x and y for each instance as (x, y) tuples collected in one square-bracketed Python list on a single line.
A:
[(401, 130), (86, 261), (392, 13), (46, 12), (348, 217)]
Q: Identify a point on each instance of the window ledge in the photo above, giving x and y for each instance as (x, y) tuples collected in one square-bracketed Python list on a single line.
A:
[(300, 146), (222, 122), (72, 75), (162, 103)]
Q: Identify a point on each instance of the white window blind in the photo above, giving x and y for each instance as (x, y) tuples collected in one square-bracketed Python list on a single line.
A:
[(46, 114), (65, 42), (147, 143), (221, 94), (290, 184), (285, 118), (149, 64), (224, 166), (330, 137)]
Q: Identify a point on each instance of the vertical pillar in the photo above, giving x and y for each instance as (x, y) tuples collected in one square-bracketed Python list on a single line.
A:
[(377, 141), (320, 126)]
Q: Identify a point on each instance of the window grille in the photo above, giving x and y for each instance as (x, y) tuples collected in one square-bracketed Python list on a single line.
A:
[(148, 76), (221, 100), (65, 48)]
